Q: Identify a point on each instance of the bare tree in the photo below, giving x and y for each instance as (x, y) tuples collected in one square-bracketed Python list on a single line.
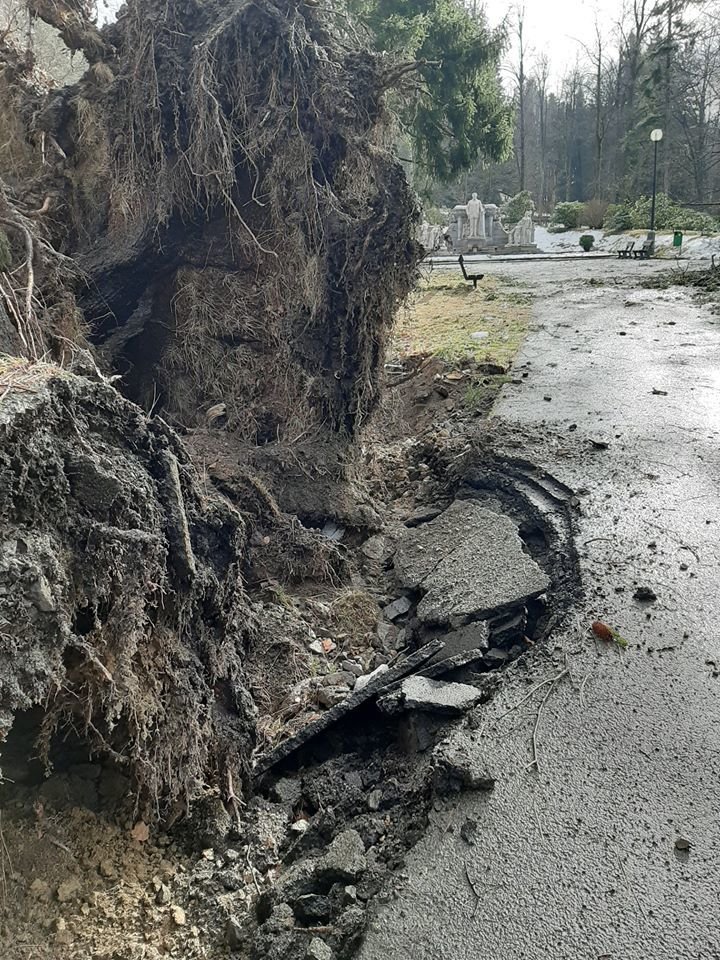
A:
[(542, 74), (521, 79)]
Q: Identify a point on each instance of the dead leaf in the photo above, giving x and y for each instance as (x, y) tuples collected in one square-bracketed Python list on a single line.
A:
[(140, 832), (329, 646)]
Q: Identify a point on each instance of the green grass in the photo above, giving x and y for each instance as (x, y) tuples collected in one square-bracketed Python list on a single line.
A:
[(446, 311), (480, 395)]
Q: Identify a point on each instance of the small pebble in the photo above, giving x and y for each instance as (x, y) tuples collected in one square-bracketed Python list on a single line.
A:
[(178, 915)]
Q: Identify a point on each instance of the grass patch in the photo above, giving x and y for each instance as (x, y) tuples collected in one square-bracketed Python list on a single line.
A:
[(480, 395), (446, 311)]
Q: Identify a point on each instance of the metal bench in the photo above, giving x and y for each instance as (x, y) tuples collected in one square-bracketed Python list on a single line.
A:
[(469, 276), (626, 252), (645, 251)]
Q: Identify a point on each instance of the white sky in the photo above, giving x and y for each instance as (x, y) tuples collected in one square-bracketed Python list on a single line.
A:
[(557, 27)]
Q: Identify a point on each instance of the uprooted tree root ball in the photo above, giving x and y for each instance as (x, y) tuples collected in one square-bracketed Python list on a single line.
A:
[(122, 611), (245, 233)]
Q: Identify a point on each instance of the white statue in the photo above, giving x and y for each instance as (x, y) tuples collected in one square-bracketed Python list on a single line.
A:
[(523, 233), (476, 217)]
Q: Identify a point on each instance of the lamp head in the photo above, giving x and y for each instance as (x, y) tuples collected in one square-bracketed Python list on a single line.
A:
[(656, 135)]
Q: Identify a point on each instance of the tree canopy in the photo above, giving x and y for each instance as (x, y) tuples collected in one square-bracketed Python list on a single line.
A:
[(452, 107)]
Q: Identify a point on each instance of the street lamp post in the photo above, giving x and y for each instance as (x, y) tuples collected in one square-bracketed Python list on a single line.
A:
[(655, 136)]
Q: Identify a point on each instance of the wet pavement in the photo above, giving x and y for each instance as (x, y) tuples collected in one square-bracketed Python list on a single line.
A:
[(608, 848)]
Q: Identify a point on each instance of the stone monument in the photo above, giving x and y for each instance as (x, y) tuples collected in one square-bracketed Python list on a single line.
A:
[(523, 233), (475, 227)]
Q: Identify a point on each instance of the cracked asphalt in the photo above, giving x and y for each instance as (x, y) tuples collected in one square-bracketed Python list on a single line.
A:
[(610, 849)]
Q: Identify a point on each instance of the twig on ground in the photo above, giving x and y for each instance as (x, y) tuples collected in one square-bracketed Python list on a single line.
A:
[(252, 869), (61, 846), (4, 855), (637, 901), (535, 761), (473, 887), (528, 696), (232, 797), (582, 689)]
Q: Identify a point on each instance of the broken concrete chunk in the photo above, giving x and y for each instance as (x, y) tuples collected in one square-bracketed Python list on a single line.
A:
[(163, 895), (295, 882), (330, 697), (345, 858), (495, 657), (397, 608), (318, 950), (234, 933), (69, 890), (312, 908), (469, 562), (370, 689), (41, 595), (436, 696), (474, 636), (375, 547), (457, 766), (363, 681)]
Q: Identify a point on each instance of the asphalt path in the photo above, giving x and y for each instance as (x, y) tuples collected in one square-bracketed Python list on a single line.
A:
[(609, 847)]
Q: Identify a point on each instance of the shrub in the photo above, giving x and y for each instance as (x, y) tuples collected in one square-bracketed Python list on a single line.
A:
[(668, 216), (618, 218), (594, 213), (569, 214), (586, 241), (513, 210)]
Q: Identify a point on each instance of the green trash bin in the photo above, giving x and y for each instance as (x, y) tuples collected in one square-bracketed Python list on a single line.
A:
[(677, 238)]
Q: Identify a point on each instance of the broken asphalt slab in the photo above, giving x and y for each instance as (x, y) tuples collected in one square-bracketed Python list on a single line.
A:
[(469, 562), (355, 700), (433, 696)]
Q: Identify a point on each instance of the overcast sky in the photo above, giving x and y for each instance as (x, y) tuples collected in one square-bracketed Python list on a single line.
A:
[(557, 27)]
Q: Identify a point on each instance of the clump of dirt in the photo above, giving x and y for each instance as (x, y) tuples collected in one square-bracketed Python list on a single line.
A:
[(426, 392), (122, 610)]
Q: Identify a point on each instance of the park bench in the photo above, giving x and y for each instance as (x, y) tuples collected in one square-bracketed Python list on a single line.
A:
[(469, 276), (645, 251), (626, 252)]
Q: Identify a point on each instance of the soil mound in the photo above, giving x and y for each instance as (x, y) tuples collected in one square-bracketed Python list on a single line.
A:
[(122, 610)]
